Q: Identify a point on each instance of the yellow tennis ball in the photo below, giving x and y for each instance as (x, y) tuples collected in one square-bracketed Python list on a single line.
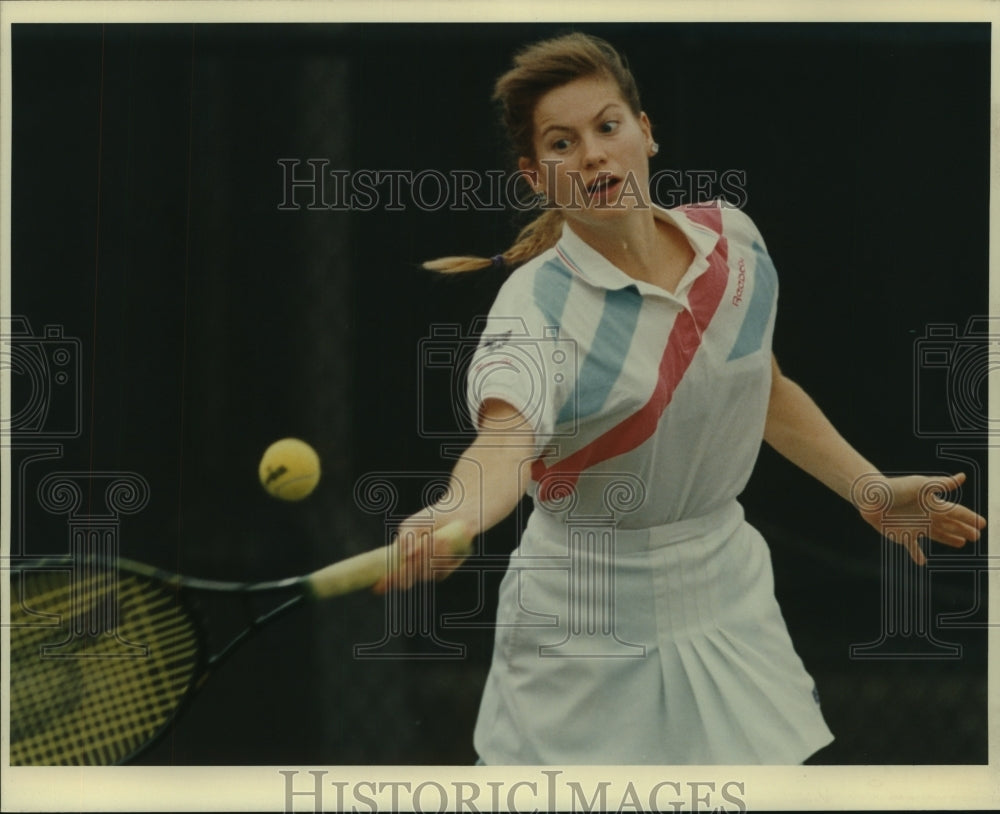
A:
[(289, 469)]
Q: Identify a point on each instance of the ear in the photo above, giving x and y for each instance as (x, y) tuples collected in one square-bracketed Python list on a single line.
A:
[(647, 128)]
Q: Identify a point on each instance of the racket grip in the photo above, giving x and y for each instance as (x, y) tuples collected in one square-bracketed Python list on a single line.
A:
[(364, 570)]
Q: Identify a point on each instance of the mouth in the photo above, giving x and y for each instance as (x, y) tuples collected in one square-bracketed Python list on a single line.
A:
[(603, 184)]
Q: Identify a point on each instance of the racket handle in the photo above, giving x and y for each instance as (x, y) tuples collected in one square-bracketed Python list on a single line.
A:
[(364, 570)]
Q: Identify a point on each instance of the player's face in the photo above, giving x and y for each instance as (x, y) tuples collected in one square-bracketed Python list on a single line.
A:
[(591, 152)]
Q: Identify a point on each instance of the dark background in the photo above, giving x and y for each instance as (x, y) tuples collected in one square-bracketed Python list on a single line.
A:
[(146, 225)]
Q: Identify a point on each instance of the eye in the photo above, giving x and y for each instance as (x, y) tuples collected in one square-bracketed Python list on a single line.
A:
[(609, 126), (561, 145)]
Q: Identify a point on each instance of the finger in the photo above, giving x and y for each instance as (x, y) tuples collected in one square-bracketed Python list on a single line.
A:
[(939, 487), (962, 535), (916, 552), (410, 566), (965, 515), (909, 541), (950, 525), (954, 482), (948, 537), (963, 530), (410, 541), (953, 540), (391, 579), (964, 518)]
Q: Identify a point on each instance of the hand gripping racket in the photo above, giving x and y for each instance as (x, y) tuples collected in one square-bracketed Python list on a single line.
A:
[(105, 654)]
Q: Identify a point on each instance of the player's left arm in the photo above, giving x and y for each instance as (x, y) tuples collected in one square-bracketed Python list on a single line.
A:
[(798, 430)]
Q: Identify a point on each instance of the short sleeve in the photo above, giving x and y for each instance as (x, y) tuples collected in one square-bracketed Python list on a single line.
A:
[(523, 360)]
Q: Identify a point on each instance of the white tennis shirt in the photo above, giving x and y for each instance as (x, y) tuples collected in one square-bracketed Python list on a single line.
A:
[(617, 375)]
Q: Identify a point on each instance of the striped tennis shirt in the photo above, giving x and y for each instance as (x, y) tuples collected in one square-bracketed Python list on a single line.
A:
[(617, 375)]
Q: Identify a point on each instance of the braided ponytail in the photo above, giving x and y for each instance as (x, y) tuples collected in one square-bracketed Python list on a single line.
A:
[(538, 69), (538, 236)]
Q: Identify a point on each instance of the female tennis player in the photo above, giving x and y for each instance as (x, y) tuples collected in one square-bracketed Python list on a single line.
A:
[(632, 344)]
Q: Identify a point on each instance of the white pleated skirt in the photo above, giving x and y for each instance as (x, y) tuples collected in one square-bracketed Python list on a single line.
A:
[(645, 646)]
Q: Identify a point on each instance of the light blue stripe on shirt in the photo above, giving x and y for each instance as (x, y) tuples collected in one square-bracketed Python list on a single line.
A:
[(552, 284), (751, 335), (604, 361)]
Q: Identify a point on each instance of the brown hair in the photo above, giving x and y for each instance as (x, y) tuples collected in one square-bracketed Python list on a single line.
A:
[(538, 69)]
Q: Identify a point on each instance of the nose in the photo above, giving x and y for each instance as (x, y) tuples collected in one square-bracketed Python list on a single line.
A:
[(594, 153)]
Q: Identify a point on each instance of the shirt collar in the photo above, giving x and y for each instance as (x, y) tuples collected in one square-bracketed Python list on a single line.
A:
[(596, 269)]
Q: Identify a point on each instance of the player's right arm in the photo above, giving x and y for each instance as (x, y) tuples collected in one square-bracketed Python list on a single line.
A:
[(486, 484)]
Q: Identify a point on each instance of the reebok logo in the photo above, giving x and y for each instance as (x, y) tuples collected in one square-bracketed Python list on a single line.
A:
[(741, 280)]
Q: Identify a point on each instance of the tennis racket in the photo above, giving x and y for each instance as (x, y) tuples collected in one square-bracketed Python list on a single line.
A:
[(105, 654)]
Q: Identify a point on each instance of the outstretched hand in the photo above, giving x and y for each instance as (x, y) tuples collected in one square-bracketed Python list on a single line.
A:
[(911, 508)]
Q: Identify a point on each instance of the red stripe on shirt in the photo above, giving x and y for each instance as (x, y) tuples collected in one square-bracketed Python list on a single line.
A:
[(709, 215), (682, 344)]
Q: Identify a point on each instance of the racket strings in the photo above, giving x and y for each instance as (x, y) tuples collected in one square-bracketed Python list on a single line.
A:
[(95, 698)]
